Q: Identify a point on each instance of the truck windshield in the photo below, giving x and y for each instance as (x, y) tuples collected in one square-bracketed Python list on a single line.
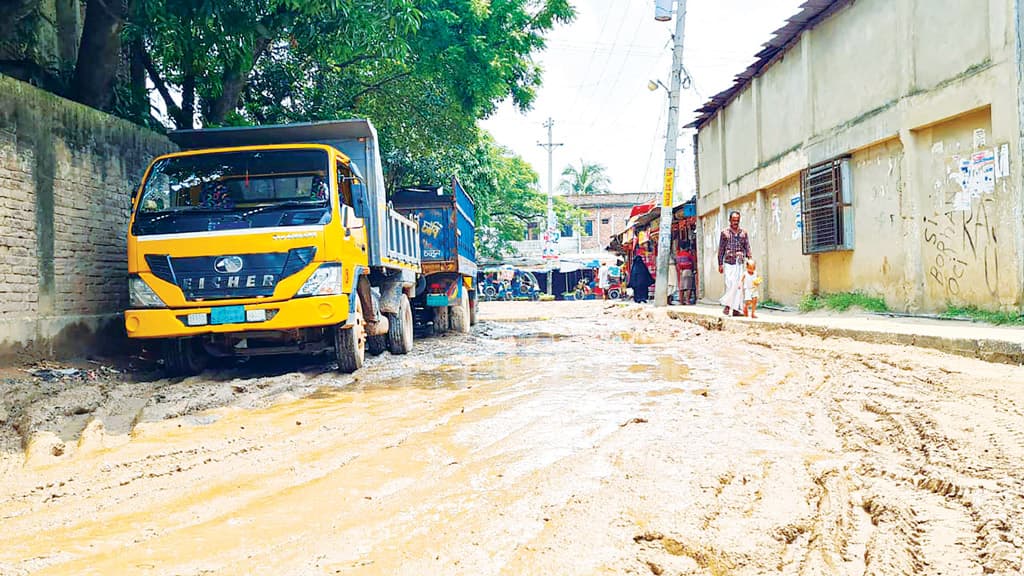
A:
[(230, 190)]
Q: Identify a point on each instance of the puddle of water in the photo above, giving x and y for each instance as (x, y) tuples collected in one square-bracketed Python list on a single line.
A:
[(538, 337), (641, 337), (667, 368), (666, 392)]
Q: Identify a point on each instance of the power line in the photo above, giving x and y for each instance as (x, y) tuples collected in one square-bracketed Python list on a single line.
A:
[(593, 54), (618, 32), (618, 74), (654, 144)]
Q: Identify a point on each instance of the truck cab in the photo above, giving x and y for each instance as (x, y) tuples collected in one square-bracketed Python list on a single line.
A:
[(267, 240)]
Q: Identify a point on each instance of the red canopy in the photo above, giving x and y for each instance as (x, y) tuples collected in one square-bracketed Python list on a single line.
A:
[(641, 209)]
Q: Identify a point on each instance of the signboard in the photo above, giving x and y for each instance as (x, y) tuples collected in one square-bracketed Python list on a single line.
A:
[(670, 181), (550, 248)]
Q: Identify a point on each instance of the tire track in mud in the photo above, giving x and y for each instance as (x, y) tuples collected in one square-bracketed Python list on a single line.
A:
[(929, 492)]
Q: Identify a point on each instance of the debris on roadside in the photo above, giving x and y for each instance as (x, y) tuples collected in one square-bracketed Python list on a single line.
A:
[(633, 421), (54, 374), (48, 371)]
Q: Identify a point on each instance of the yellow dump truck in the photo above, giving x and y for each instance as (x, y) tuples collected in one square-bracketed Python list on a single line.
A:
[(270, 240)]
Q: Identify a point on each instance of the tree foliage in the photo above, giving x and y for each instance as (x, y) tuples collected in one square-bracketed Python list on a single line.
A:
[(588, 178), (503, 186), (424, 71)]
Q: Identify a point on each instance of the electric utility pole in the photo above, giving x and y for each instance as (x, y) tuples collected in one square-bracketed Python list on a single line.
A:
[(675, 85), (550, 250)]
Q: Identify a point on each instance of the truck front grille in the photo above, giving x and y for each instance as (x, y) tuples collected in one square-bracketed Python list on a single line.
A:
[(229, 276)]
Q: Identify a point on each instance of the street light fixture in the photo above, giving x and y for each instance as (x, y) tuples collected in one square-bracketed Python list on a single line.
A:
[(653, 85)]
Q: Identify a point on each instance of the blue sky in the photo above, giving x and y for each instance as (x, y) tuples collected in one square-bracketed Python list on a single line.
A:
[(595, 85)]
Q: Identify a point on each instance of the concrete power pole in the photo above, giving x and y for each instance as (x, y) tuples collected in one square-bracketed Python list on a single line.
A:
[(550, 252), (665, 230)]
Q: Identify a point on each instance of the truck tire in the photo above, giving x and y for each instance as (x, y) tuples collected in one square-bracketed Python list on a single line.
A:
[(473, 301), (459, 317), (185, 356), (376, 345), (349, 343), (440, 320), (400, 328)]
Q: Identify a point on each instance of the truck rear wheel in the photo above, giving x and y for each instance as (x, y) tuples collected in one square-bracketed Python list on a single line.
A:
[(460, 319), (185, 356), (349, 343), (440, 320), (376, 345), (400, 328)]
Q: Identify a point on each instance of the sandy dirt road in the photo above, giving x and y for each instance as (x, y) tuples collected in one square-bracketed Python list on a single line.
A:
[(557, 438)]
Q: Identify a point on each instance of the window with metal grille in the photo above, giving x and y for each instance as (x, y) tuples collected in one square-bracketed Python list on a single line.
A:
[(826, 207)]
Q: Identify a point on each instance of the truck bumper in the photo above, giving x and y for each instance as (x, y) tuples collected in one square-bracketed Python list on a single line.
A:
[(287, 315), (447, 291)]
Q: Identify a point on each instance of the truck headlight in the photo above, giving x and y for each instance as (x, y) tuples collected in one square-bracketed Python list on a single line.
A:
[(141, 295), (325, 281)]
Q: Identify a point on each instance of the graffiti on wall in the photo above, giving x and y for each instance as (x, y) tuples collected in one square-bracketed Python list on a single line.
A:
[(960, 241), (961, 237)]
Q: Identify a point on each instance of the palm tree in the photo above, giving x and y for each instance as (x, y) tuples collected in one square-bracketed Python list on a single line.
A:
[(589, 178)]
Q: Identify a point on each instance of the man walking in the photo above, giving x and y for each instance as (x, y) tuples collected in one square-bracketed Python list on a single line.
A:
[(733, 250), (603, 281)]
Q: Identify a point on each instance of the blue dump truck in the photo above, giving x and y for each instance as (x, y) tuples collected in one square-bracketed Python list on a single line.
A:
[(446, 290)]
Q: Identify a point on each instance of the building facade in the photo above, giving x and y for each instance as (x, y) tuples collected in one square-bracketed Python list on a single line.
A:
[(604, 215), (875, 146)]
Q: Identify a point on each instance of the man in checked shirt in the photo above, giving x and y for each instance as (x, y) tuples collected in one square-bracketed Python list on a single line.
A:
[(733, 250)]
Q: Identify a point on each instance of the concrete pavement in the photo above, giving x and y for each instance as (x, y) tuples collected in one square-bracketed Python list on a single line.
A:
[(972, 339)]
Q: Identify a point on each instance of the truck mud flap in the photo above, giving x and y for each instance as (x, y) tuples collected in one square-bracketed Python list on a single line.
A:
[(391, 297)]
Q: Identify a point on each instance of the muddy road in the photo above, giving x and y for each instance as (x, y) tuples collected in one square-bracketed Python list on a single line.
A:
[(557, 438)]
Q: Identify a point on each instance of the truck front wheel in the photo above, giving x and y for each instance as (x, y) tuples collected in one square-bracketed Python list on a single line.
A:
[(185, 356), (400, 328), (349, 343), (460, 314)]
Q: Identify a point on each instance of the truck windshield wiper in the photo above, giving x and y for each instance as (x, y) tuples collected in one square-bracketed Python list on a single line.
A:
[(185, 209), (283, 205)]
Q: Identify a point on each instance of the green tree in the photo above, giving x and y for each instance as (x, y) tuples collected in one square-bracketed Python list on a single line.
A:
[(502, 184), (464, 57), (99, 52), (424, 71), (207, 50), (238, 61), (589, 178)]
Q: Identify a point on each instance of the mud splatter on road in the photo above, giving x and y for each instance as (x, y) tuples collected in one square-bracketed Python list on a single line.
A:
[(557, 438)]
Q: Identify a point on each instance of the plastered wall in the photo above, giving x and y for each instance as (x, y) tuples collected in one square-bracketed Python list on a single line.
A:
[(923, 99)]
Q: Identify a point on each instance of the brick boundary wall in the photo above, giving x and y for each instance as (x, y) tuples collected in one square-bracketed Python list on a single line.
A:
[(66, 177)]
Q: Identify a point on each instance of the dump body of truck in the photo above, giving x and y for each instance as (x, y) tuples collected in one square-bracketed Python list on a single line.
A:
[(269, 240), (446, 218)]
